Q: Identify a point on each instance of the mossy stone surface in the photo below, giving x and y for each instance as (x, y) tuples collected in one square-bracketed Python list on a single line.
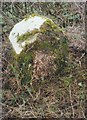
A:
[(45, 57)]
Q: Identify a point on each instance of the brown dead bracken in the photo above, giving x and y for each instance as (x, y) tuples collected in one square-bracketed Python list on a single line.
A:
[(43, 65)]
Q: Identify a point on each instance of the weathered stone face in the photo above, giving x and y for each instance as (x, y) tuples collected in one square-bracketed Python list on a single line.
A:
[(26, 26), (40, 46)]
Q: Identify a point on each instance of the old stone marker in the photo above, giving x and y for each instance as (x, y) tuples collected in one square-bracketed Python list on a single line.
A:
[(40, 48)]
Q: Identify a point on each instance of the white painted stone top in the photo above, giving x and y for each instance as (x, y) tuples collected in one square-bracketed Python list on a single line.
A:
[(26, 25)]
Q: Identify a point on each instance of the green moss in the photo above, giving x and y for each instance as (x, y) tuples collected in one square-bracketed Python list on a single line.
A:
[(43, 29), (48, 24), (27, 35), (25, 63), (26, 17), (50, 40), (51, 23)]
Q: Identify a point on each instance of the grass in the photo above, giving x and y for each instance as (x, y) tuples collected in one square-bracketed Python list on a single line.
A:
[(63, 96)]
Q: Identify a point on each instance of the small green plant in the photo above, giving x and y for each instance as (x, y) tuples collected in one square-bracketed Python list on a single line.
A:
[(68, 80)]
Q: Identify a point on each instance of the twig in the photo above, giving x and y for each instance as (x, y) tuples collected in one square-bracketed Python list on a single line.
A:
[(71, 101)]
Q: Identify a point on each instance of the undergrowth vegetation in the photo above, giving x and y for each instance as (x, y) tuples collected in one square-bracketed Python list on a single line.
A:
[(63, 95)]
